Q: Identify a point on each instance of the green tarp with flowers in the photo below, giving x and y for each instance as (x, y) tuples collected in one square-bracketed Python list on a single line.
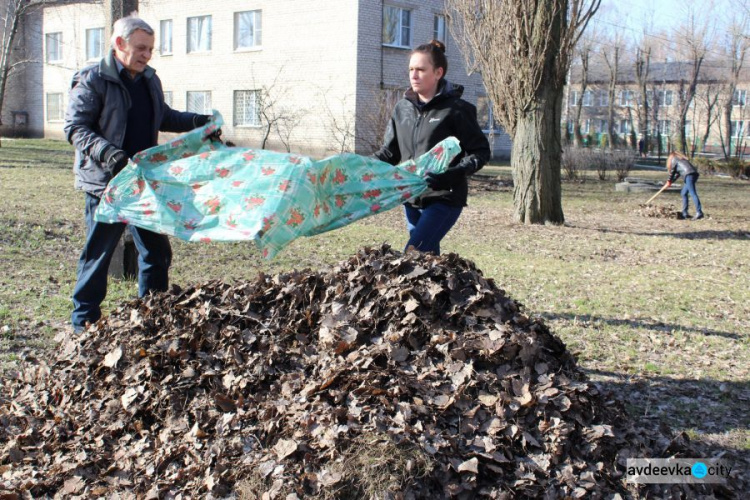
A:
[(202, 190)]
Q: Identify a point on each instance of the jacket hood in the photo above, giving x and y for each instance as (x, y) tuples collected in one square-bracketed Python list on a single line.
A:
[(108, 67), (446, 90)]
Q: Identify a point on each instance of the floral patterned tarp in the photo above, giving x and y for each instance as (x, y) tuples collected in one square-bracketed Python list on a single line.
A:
[(200, 190)]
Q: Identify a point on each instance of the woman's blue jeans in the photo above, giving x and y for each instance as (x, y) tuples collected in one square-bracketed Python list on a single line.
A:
[(427, 226), (154, 258), (689, 187)]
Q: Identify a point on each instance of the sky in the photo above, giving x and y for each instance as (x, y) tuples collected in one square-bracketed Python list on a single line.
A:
[(633, 13)]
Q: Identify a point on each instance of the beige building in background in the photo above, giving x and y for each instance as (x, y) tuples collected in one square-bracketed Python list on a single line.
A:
[(23, 110), (318, 77), (663, 93)]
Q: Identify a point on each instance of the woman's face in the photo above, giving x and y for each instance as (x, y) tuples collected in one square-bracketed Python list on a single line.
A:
[(424, 77)]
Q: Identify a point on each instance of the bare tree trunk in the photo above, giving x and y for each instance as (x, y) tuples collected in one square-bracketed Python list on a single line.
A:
[(642, 68), (584, 54), (536, 157), (14, 13), (613, 66)]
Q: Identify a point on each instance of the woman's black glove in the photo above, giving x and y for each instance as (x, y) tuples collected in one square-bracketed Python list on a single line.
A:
[(446, 180)]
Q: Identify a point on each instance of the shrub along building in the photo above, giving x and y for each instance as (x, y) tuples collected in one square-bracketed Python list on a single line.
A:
[(628, 117), (301, 75)]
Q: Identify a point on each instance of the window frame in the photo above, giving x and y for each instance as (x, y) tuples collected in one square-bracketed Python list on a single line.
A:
[(256, 123), (604, 98), (588, 98), (398, 44), (162, 39), (496, 128), (101, 44), (626, 98), (436, 28), (188, 38), (257, 24), (737, 129), (624, 124), (737, 100), (207, 110), (58, 36), (61, 107), (573, 97)]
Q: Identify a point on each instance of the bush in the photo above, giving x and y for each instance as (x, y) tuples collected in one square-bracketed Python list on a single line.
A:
[(622, 161), (735, 167), (575, 160), (569, 163)]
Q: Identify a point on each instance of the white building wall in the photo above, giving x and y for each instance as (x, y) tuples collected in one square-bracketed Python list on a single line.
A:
[(22, 99), (306, 63), (72, 20), (321, 63)]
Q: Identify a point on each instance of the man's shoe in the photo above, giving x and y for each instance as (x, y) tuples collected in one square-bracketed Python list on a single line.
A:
[(685, 215), (699, 215)]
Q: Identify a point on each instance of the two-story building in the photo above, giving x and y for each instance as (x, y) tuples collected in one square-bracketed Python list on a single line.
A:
[(305, 75), (664, 83)]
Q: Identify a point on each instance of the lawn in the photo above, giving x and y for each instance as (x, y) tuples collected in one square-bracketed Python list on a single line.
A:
[(656, 309)]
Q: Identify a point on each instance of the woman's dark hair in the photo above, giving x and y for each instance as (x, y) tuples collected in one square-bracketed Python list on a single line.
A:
[(436, 50)]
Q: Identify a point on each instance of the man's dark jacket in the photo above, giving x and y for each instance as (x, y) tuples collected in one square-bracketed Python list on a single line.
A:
[(97, 117), (415, 128)]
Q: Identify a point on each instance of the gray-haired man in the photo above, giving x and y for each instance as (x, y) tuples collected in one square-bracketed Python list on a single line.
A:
[(116, 110)]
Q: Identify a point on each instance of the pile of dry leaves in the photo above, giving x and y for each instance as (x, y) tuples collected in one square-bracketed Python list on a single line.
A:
[(658, 211), (396, 376)]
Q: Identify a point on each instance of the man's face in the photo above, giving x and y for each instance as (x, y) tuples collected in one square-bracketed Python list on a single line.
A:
[(135, 53)]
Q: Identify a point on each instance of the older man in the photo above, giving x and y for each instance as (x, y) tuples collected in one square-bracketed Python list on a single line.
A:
[(117, 109)]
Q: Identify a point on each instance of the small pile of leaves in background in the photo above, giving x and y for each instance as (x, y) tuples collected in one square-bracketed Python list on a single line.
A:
[(390, 376), (487, 182), (659, 211)]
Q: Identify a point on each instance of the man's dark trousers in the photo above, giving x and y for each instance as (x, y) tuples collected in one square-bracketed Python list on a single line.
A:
[(154, 258)]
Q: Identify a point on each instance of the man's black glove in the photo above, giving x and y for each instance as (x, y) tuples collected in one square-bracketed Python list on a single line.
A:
[(114, 159), (446, 180), (200, 120)]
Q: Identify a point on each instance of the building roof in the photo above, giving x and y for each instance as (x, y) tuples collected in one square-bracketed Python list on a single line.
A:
[(660, 72)]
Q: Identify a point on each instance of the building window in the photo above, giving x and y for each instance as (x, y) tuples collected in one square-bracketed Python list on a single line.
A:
[(165, 32), (604, 98), (739, 97), (438, 31), (55, 107), (246, 108), (588, 98), (199, 34), (486, 116), (688, 128), (396, 26), (603, 127), (53, 41), (199, 102), (586, 126), (168, 98), (626, 98), (573, 98), (664, 127), (665, 97), (94, 43), (247, 29), (624, 127), (738, 128)]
